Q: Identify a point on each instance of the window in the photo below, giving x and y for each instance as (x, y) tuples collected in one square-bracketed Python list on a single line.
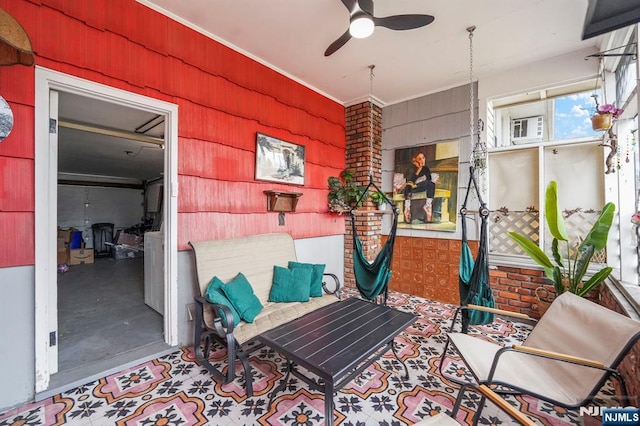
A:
[(526, 129), (519, 129), (537, 141), (564, 116)]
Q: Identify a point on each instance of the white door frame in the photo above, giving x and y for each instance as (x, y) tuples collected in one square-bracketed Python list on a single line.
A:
[(46, 169)]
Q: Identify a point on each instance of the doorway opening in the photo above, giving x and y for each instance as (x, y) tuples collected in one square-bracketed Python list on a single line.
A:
[(105, 160)]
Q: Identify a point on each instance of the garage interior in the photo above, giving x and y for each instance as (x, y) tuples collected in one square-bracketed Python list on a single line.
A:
[(110, 278)]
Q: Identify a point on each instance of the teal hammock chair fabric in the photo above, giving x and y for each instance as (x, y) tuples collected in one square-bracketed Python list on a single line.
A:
[(474, 274), (372, 278)]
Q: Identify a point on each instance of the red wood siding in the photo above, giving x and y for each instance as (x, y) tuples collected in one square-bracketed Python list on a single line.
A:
[(224, 99), (17, 242), (17, 167)]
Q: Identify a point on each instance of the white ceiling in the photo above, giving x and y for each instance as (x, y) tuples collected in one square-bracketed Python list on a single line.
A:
[(292, 35)]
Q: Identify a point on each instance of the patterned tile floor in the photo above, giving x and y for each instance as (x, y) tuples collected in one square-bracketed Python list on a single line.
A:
[(174, 390)]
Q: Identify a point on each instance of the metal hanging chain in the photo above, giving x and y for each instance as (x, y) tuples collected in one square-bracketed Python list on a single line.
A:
[(471, 94), (371, 67), (478, 149)]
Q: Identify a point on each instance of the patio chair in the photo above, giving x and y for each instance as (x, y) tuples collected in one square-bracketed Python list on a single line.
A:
[(445, 420), (568, 356)]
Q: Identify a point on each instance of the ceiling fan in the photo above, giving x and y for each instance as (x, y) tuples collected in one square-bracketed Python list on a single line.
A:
[(362, 22)]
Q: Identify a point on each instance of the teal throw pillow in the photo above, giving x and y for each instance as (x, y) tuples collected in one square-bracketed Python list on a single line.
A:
[(241, 295), (290, 285), (316, 276), (214, 294)]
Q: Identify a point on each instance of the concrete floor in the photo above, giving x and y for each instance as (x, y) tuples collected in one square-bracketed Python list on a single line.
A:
[(103, 321)]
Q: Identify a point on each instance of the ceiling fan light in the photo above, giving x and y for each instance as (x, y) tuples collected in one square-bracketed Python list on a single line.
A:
[(361, 26)]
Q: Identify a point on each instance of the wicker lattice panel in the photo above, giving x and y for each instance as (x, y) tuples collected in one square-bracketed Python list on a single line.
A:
[(525, 223)]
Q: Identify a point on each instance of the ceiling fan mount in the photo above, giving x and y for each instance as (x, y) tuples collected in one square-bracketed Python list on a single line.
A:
[(362, 22)]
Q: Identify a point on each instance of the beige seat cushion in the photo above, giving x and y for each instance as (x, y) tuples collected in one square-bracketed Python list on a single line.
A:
[(254, 256), (275, 314), (572, 326)]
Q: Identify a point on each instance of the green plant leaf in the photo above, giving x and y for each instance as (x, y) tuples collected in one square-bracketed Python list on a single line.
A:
[(557, 281), (556, 253), (576, 269), (532, 250), (599, 233), (581, 265), (553, 213), (595, 281)]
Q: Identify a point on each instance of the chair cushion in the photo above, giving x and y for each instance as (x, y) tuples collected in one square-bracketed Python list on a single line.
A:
[(563, 382), (276, 313), (241, 295), (316, 277), (290, 285), (214, 294)]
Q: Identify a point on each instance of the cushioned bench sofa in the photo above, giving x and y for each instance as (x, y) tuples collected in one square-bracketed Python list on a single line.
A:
[(234, 262)]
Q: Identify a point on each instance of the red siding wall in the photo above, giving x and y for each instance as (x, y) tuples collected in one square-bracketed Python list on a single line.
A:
[(224, 98)]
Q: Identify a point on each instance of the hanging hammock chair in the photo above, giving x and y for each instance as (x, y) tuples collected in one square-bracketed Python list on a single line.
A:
[(474, 274), (372, 278)]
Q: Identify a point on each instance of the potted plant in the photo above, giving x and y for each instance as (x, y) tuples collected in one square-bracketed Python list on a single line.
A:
[(378, 198), (569, 267), (604, 115), (343, 191)]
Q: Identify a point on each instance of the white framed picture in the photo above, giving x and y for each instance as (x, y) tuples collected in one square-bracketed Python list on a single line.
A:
[(279, 161)]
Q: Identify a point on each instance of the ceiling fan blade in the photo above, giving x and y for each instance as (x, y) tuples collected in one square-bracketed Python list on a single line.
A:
[(366, 6), (333, 47), (403, 22), (349, 4)]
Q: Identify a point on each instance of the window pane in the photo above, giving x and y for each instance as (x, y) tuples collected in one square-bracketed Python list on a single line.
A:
[(572, 117)]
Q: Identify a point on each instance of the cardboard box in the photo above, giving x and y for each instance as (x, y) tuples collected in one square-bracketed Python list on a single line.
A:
[(63, 256), (66, 234), (80, 256), (62, 244)]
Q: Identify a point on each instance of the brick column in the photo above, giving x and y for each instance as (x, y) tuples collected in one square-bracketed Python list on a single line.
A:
[(363, 155)]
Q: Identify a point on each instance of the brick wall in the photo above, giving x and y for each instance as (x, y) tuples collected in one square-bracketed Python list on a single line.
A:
[(363, 158), (425, 267), (514, 289)]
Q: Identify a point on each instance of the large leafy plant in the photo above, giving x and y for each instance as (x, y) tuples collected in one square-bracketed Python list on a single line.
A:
[(343, 191), (569, 267)]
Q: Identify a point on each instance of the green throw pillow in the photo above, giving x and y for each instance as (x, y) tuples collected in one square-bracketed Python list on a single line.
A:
[(316, 276), (290, 285), (214, 294), (241, 295)]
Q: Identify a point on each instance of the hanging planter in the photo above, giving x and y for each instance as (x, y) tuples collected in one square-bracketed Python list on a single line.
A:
[(602, 122)]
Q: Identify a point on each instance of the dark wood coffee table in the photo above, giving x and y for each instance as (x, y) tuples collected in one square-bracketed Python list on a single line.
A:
[(336, 343)]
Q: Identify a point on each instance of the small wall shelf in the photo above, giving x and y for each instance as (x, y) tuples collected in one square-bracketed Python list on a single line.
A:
[(279, 201)]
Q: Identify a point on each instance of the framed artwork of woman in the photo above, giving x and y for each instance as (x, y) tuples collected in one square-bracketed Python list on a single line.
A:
[(425, 186)]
